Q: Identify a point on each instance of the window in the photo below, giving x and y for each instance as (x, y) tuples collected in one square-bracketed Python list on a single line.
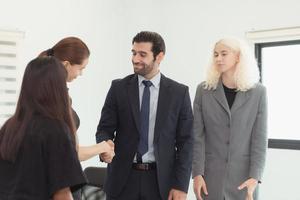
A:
[(278, 58), (10, 43)]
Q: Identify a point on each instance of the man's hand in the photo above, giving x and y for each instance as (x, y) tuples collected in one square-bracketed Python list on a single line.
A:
[(108, 156), (176, 195), (199, 186), (251, 184)]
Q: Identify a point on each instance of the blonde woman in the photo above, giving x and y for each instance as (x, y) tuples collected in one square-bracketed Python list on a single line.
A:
[(230, 114)]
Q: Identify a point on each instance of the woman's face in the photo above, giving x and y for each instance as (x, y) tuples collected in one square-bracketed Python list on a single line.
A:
[(75, 69), (225, 59)]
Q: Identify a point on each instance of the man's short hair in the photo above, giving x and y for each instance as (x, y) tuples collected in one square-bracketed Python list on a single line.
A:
[(158, 43)]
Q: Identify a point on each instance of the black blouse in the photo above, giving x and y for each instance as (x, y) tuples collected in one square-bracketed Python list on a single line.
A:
[(76, 194), (47, 162), (230, 94), (76, 119)]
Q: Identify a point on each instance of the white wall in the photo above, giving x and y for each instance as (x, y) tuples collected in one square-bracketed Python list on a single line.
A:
[(189, 27), (96, 22)]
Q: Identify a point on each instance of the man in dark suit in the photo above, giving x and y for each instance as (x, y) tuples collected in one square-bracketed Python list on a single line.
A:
[(149, 118)]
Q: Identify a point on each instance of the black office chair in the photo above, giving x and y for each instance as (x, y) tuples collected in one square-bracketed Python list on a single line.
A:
[(94, 189)]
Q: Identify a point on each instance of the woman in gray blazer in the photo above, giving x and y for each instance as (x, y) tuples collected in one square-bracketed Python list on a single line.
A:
[(230, 114)]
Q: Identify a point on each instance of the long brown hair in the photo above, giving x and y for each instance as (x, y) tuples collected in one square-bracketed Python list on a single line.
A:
[(70, 49), (44, 92)]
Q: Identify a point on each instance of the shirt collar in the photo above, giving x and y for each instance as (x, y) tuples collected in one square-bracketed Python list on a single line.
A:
[(155, 80)]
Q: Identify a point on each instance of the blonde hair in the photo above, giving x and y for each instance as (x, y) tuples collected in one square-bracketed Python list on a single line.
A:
[(246, 74)]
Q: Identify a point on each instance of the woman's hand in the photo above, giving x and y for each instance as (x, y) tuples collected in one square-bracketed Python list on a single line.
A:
[(251, 184), (108, 151), (199, 184)]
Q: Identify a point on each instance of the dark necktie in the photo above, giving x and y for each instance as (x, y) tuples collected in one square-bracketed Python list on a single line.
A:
[(143, 143)]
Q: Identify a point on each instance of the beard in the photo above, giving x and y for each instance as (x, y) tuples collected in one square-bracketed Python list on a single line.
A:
[(142, 68)]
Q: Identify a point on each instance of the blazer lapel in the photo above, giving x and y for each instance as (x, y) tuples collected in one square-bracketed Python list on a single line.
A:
[(133, 94), (240, 99), (219, 95), (162, 106)]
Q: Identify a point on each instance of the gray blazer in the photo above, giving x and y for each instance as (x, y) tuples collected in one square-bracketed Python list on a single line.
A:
[(229, 144)]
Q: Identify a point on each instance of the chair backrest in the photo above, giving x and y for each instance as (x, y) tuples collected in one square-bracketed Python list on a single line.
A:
[(95, 182), (96, 176)]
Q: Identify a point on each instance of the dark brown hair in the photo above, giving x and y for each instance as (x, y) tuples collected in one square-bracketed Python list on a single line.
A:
[(43, 92), (70, 49), (158, 43)]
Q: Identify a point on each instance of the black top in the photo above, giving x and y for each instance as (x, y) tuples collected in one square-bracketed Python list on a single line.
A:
[(76, 119), (47, 162), (76, 194), (230, 95), (75, 116)]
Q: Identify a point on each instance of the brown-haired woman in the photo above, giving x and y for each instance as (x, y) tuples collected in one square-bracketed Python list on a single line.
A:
[(38, 158), (74, 55)]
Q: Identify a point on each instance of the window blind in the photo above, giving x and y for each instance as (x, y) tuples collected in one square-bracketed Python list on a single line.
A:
[(10, 44)]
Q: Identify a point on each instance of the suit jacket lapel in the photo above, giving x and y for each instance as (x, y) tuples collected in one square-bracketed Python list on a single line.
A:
[(133, 94), (240, 99), (162, 106), (219, 95)]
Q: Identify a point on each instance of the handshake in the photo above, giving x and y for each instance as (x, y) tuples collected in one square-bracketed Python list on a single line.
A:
[(108, 151)]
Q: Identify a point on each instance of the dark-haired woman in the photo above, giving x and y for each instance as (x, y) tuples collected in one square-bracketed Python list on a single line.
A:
[(38, 158)]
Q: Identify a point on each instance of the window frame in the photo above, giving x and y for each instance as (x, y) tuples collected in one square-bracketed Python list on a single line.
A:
[(276, 143)]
